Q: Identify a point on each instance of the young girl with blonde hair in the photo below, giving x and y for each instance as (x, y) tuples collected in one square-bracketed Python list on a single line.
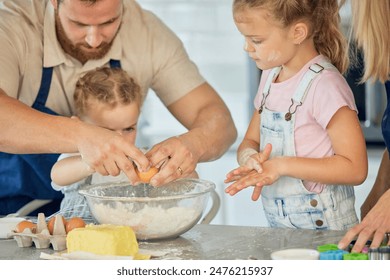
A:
[(109, 98), (304, 149)]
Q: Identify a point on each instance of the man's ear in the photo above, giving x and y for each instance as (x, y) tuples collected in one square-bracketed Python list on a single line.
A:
[(300, 32)]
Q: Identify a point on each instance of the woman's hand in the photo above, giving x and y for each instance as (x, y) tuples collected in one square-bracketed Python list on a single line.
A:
[(374, 226)]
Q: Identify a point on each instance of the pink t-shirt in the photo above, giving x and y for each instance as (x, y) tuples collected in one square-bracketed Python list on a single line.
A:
[(327, 94)]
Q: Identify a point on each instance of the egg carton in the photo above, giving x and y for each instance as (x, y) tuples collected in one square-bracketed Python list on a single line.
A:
[(42, 238)]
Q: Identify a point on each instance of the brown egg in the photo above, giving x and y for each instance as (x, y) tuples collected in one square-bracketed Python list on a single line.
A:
[(74, 222), (147, 175), (21, 226), (50, 224)]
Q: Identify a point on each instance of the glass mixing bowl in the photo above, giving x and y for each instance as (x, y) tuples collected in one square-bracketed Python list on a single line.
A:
[(153, 212)]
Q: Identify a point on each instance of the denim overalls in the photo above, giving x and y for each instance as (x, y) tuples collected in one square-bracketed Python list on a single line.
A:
[(287, 203), (25, 177)]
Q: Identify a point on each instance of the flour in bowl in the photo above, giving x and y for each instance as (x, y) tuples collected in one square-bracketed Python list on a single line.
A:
[(149, 222)]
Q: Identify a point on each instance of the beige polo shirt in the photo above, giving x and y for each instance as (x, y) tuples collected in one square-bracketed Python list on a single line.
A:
[(147, 49)]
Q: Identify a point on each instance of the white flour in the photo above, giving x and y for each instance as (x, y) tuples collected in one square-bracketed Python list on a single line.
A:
[(149, 222)]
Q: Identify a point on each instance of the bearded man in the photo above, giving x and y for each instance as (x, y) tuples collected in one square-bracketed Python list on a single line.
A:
[(45, 46)]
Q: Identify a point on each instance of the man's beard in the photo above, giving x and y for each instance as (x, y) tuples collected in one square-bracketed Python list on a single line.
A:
[(76, 50)]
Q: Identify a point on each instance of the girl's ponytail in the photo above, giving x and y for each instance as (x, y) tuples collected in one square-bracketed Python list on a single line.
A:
[(327, 35)]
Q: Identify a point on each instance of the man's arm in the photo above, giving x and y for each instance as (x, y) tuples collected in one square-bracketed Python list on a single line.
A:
[(211, 131), (211, 127), (25, 130)]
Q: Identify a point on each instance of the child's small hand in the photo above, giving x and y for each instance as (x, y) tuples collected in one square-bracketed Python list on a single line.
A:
[(254, 160), (243, 179), (237, 174)]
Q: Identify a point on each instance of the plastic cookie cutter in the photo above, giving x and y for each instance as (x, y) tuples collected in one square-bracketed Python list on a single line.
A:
[(327, 247), (355, 256), (333, 255)]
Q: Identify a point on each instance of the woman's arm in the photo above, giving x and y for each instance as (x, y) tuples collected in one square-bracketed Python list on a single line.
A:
[(381, 185), (373, 227), (70, 170)]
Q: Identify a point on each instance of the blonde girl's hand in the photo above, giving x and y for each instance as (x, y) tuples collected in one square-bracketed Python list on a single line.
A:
[(253, 159), (249, 159), (268, 176), (237, 174)]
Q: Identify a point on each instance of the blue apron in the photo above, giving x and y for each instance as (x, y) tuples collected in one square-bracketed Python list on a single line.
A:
[(25, 177)]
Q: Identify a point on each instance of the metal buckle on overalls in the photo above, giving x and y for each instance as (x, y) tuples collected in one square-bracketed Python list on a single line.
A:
[(263, 103), (289, 114), (316, 68)]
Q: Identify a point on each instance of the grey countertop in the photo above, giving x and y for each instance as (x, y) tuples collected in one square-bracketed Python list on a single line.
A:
[(210, 242)]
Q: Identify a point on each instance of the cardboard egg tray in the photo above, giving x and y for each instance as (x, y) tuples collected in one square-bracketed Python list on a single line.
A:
[(42, 238)]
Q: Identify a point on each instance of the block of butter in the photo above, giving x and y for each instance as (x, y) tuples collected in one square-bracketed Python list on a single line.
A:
[(103, 240)]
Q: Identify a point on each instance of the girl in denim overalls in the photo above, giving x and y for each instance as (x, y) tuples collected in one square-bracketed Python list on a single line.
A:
[(304, 149)]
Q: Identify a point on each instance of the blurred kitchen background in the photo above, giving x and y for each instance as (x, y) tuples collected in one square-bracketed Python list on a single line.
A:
[(212, 41)]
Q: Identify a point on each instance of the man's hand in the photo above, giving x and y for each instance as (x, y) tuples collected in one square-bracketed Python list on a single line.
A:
[(108, 153), (174, 159)]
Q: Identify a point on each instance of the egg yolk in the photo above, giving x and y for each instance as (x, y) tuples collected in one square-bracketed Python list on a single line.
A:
[(147, 175)]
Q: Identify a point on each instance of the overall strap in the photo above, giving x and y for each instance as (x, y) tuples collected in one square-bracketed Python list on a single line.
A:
[(304, 85), (271, 77)]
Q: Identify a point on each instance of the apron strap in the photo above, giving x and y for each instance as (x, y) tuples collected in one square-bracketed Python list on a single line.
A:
[(40, 101), (115, 63)]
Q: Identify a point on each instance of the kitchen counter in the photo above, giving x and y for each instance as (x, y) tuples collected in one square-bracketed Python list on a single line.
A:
[(213, 242)]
